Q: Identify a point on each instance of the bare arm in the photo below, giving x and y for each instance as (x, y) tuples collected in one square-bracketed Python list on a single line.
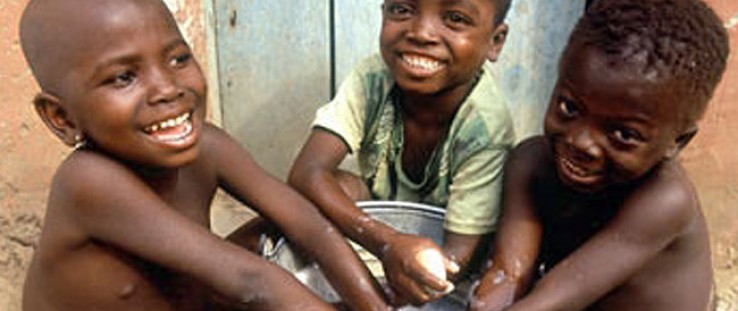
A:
[(299, 220), (461, 249), (649, 220), (110, 204), (313, 174), (518, 238)]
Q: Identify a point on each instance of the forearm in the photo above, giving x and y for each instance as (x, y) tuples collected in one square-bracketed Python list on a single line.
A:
[(342, 267), (464, 250), (323, 189), (349, 276), (244, 280)]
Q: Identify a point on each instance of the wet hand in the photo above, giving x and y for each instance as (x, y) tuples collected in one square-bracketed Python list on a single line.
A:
[(411, 267), (494, 293)]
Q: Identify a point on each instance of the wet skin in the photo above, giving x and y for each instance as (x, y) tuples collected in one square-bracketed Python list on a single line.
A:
[(601, 202), (434, 50), (127, 224)]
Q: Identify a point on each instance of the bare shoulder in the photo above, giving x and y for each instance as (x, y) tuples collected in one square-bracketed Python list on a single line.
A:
[(529, 154), (663, 217), (213, 134), (217, 143), (85, 172), (666, 194)]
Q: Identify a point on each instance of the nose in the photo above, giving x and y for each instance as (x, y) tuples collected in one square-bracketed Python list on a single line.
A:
[(164, 86), (585, 145), (423, 30)]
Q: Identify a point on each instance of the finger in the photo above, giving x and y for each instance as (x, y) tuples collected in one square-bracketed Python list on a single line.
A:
[(412, 292), (451, 266), (427, 279)]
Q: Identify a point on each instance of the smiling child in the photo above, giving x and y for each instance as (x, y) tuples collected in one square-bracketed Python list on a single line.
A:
[(600, 205), (427, 124), (127, 224)]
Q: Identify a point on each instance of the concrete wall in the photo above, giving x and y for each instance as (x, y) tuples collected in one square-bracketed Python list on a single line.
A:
[(29, 154)]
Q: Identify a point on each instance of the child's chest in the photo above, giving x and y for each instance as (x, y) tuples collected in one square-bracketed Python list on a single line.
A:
[(419, 145), (569, 221)]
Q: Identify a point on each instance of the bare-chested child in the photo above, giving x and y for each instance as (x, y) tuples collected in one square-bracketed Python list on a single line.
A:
[(127, 225), (600, 206)]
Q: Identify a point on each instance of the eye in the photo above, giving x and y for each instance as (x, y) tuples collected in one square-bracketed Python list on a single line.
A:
[(627, 136), (180, 60), (396, 10), (122, 79), (458, 18), (568, 108)]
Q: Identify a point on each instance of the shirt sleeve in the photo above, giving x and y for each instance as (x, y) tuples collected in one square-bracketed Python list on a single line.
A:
[(344, 116), (474, 197)]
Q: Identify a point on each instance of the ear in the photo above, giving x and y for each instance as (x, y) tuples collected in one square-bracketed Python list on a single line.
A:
[(681, 142), (498, 40), (55, 116)]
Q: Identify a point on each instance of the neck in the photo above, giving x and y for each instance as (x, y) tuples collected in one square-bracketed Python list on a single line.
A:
[(435, 109)]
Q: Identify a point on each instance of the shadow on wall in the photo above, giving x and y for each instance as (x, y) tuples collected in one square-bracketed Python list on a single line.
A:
[(527, 68)]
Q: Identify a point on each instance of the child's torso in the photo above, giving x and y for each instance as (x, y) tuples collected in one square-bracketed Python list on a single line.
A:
[(72, 271), (678, 277)]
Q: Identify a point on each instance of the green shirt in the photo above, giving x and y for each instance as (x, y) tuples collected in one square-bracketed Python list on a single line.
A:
[(464, 174)]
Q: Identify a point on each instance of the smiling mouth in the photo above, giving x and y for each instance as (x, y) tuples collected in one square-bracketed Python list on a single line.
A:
[(576, 174), (171, 130), (422, 65), (573, 168)]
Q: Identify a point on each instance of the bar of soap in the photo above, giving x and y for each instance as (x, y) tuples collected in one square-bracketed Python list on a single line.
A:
[(432, 260)]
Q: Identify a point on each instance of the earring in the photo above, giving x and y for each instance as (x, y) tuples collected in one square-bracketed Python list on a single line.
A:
[(79, 141)]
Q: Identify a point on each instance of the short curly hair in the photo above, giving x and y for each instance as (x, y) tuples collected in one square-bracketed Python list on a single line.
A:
[(680, 39)]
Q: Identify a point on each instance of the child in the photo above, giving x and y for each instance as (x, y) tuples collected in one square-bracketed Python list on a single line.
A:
[(600, 205), (427, 125), (128, 214)]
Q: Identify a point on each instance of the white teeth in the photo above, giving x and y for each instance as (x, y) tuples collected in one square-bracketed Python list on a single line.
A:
[(178, 136), (168, 123), (575, 169), (422, 62)]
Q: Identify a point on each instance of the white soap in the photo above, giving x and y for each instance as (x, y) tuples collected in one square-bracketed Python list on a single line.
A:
[(432, 260)]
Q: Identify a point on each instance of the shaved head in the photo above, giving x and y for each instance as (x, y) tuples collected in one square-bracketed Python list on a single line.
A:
[(53, 32)]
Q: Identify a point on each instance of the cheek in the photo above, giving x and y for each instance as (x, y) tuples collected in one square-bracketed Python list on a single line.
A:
[(388, 33), (634, 165), (551, 124), (469, 49)]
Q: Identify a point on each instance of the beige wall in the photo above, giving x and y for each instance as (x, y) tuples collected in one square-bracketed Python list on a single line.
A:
[(712, 162), (29, 154)]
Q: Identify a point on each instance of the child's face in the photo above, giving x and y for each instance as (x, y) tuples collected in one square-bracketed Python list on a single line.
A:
[(135, 90), (608, 124), (436, 45)]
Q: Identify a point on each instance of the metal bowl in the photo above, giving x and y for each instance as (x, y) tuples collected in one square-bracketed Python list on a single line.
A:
[(406, 217)]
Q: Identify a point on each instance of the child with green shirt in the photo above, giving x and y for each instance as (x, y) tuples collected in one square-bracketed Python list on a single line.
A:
[(428, 125)]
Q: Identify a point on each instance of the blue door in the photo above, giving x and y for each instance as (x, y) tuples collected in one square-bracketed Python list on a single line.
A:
[(279, 60)]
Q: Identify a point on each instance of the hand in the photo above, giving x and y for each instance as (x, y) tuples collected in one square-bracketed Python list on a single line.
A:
[(406, 275), (494, 293)]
